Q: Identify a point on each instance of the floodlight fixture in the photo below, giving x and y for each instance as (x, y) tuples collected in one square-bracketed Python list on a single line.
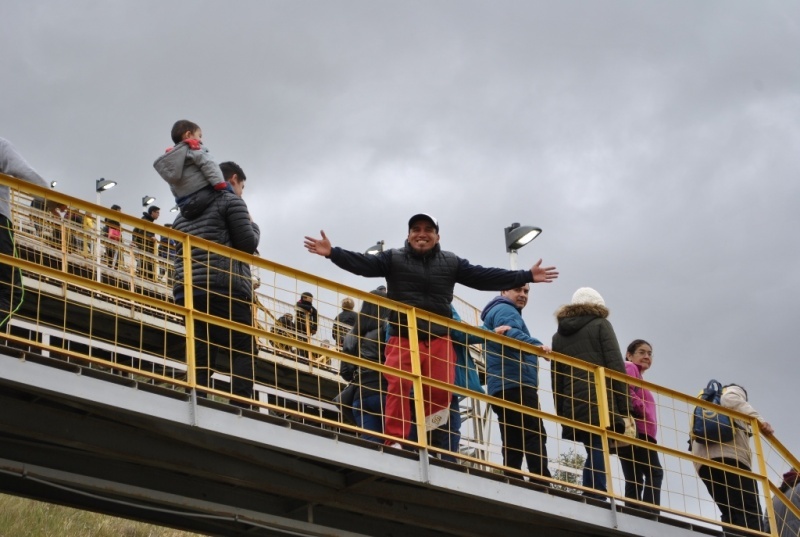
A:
[(101, 185), (147, 200), (376, 248), (518, 236), (53, 184), (175, 209)]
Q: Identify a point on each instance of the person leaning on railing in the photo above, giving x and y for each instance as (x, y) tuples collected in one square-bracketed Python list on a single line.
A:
[(11, 163), (112, 232), (306, 322), (145, 241), (284, 326), (584, 332), (513, 375), (640, 466), (735, 495), (221, 286), (344, 321)]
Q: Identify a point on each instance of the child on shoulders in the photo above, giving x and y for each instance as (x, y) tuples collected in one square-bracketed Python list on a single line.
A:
[(188, 166)]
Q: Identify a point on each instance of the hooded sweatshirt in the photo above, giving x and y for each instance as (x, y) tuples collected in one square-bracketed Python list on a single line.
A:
[(188, 170)]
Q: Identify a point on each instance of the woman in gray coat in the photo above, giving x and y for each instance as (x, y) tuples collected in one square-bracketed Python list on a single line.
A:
[(584, 332)]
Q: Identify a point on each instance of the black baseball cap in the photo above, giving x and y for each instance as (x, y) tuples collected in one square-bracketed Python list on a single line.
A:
[(423, 216)]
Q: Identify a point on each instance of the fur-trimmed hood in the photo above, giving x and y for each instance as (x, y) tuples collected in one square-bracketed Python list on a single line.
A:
[(579, 310), (573, 317)]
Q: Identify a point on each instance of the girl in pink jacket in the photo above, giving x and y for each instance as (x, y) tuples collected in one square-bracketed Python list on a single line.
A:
[(640, 466)]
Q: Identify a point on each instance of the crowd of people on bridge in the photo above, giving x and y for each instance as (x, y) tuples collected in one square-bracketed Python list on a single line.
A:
[(420, 275)]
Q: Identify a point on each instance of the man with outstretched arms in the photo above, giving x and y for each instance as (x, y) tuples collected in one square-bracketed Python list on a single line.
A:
[(423, 275)]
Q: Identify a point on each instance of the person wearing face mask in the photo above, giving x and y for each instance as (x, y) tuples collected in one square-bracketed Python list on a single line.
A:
[(640, 466), (422, 275)]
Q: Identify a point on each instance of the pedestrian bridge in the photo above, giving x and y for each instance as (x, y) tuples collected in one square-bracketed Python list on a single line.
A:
[(102, 411)]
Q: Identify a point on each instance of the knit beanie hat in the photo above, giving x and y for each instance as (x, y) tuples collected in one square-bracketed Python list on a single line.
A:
[(587, 295)]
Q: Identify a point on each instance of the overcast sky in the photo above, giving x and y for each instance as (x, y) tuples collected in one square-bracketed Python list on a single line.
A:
[(656, 144)]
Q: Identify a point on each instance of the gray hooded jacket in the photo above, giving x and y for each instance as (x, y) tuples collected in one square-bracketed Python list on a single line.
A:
[(187, 170)]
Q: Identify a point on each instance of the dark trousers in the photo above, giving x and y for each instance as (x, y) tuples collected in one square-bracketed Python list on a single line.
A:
[(111, 256), (523, 435), (215, 344), (368, 412), (10, 278), (735, 495), (302, 355), (642, 471), (454, 427)]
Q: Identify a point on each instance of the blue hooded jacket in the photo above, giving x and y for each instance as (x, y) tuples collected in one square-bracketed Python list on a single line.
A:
[(508, 368)]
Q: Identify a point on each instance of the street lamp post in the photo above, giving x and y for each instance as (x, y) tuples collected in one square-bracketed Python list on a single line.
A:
[(375, 249), (101, 185), (516, 237)]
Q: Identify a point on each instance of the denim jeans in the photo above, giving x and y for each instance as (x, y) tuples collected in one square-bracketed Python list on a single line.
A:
[(368, 411), (594, 469)]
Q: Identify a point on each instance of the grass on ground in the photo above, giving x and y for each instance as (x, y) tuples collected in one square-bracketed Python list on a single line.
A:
[(21, 517)]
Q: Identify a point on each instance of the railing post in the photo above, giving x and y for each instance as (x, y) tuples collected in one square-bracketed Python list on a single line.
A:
[(605, 425), (416, 370), (763, 473), (188, 302)]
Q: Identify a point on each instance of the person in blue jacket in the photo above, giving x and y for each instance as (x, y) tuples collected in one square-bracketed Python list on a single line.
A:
[(466, 377), (513, 375)]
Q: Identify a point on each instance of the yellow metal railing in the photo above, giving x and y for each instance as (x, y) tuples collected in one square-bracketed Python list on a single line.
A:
[(78, 307)]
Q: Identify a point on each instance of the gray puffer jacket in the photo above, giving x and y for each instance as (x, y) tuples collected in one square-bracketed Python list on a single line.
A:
[(584, 332), (221, 217)]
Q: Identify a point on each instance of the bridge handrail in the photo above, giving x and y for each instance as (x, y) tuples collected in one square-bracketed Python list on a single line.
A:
[(85, 279)]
